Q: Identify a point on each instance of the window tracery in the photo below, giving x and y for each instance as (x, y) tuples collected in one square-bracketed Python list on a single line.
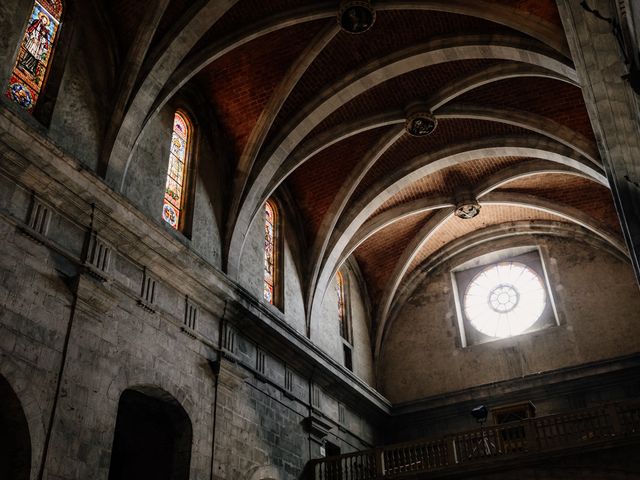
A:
[(504, 299), (30, 71)]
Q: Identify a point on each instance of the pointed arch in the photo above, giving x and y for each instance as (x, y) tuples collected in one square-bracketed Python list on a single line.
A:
[(272, 272), (343, 307), (175, 193), (15, 439), (34, 58)]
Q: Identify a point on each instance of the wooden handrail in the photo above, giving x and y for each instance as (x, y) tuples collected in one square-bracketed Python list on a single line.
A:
[(549, 433)]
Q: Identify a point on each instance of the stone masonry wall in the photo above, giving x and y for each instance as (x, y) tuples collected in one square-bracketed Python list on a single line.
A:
[(596, 299), (77, 329)]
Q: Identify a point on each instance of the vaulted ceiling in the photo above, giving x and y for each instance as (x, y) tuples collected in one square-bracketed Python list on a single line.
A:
[(321, 113)]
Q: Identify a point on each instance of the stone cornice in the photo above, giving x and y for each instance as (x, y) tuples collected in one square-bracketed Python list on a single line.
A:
[(36, 164)]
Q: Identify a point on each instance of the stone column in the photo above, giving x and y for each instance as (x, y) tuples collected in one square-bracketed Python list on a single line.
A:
[(230, 379), (613, 109)]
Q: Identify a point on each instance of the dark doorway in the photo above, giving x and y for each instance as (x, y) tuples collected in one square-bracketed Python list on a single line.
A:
[(152, 438), (15, 442)]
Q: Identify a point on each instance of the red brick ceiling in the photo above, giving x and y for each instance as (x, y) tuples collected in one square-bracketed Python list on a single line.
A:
[(586, 195), (448, 181), (543, 9), (559, 101), (239, 84), (449, 132), (397, 93), (125, 16), (392, 32), (455, 227), (378, 255), (316, 183)]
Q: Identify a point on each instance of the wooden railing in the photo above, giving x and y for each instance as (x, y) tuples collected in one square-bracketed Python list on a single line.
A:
[(537, 435)]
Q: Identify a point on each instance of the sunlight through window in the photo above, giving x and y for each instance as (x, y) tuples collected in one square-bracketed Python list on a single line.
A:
[(504, 299)]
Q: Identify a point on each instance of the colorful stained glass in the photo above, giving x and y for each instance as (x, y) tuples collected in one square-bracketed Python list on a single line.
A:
[(269, 252), (30, 71), (342, 312), (176, 173)]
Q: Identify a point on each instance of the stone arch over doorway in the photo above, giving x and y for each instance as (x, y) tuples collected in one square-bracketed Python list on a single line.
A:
[(15, 441), (266, 472), (152, 437)]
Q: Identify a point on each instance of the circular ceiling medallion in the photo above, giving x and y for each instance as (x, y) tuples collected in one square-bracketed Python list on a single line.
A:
[(421, 123), (467, 209), (356, 16)]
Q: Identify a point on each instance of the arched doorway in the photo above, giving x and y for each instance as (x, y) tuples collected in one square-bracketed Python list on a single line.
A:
[(15, 442), (152, 438)]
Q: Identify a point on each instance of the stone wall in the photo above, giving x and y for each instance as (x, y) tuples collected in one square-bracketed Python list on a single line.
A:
[(596, 300), (95, 301)]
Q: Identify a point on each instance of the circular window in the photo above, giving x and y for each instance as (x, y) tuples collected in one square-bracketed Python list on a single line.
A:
[(504, 299)]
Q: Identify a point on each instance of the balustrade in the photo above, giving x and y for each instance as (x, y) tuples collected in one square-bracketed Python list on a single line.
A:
[(562, 431)]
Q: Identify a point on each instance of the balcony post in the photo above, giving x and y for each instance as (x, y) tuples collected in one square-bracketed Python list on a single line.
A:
[(531, 435), (614, 419), (450, 442), (378, 457)]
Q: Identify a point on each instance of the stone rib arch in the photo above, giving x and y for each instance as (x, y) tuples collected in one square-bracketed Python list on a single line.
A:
[(494, 233), (32, 409), (421, 166), (341, 132), (569, 214), (563, 135), (436, 51), (529, 121), (141, 102), (507, 16), (276, 101), (420, 205), (522, 170), (525, 120), (340, 203), (491, 74)]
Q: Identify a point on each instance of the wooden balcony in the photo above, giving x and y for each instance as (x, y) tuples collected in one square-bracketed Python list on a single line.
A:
[(489, 447)]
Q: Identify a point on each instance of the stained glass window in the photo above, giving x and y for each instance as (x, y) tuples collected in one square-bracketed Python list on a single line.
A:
[(270, 219), (505, 299), (174, 192), (30, 71), (342, 312)]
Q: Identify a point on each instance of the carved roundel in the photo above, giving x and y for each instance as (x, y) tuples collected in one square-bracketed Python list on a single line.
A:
[(467, 209), (420, 123), (356, 16)]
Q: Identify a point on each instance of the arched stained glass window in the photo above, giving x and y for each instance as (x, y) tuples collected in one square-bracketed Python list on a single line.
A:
[(174, 193), (270, 251), (34, 57), (342, 308)]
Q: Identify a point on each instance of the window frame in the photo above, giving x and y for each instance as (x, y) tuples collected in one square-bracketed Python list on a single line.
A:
[(344, 321), (47, 97), (277, 295), (462, 275), (190, 165)]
